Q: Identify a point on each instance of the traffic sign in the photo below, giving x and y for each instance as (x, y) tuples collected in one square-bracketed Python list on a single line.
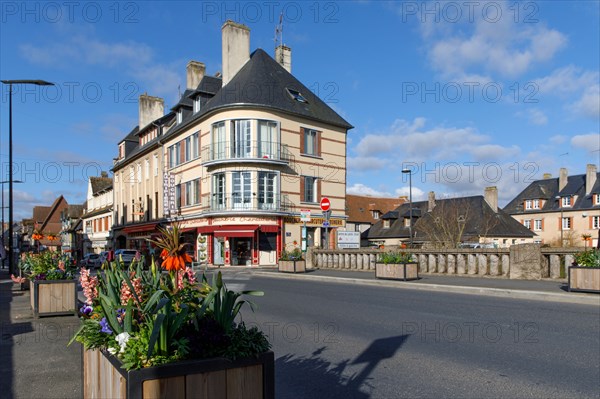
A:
[(325, 204), (305, 215), (326, 224)]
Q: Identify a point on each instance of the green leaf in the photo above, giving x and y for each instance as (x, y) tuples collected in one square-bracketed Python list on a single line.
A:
[(160, 318)]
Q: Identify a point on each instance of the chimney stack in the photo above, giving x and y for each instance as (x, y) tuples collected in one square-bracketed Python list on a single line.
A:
[(563, 177), (235, 48), (547, 176), (590, 178), (151, 108), (491, 197), (195, 73), (283, 55), (431, 201)]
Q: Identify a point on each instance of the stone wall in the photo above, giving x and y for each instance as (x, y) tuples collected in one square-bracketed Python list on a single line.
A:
[(523, 261)]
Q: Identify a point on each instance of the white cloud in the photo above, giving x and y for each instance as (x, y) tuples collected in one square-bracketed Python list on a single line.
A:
[(481, 45), (589, 142), (558, 139), (567, 80), (537, 117), (361, 189), (405, 141), (589, 103), (417, 193)]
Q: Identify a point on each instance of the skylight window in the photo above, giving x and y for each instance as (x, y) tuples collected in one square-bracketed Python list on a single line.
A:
[(296, 95)]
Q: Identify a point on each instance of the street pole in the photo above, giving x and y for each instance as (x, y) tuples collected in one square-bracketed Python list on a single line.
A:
[(410, 221), (10, 164), (558, 199)]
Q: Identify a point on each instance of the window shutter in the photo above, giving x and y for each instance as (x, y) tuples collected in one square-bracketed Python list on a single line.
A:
[(542, 225), (302, 181), (182, 201), (591, 222), (318, 199), (318, 152), (571, 226), (301, 140), (182, 152)]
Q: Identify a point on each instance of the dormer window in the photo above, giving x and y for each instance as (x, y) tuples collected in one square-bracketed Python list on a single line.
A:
[(596, 199), (566, 201), (179, 116), (536, 204), (386, 223), (375, 214), (197, 104), (528, 204), (296, 95)]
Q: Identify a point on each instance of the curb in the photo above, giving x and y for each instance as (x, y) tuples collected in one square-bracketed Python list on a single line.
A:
[(576, 298)]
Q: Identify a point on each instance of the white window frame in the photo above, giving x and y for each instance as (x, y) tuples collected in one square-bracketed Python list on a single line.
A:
[(595, 222), (566, 201), (219, 190), (566, 223), (219, 140), (527, 223), (375, 214), (386, 223), (308, 182), (241, 138), (311, 137), (241, 189), (536, 204), (179, 116), (155, 161), (195, 145), (197, 104), (596, 199), (537, 225), (268, 139), (268, 189), (528, 204)]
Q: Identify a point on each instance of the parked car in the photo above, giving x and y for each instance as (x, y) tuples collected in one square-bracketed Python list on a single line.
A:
[(105, 256), (125, 255), (90, 261)]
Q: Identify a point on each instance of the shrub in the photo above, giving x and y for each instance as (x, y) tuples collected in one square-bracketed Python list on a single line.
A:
[(396, 257), (590, 258)]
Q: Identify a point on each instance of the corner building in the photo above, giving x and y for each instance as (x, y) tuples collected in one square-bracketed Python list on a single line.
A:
[(247, 151)]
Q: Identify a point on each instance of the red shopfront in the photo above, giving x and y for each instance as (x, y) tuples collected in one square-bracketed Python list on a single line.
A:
[(242, 245)]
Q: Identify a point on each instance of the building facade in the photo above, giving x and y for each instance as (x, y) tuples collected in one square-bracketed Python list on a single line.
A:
[(240, 155), (97, 219), (562, 211)]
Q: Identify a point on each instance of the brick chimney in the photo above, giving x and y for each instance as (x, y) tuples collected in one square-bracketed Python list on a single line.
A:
[(151, 108), (283, 55), (430, 201), (563, 177), (491, 197), (590, 178), (195, 73), (235, 48)]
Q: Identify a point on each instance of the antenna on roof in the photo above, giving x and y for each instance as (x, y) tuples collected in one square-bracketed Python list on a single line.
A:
[(279, 34), (179, 90)]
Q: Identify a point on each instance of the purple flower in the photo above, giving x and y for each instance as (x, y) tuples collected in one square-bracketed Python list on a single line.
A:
[(105, 328), (86, 310)]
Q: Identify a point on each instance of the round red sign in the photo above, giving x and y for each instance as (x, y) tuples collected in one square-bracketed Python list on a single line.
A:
[(325, 204)]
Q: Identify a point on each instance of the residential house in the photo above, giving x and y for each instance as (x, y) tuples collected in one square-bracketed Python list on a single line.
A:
[(564, 206), (450, 222), (46, 222), (364, 210), (97, 218), (240, 155), (71, 232)]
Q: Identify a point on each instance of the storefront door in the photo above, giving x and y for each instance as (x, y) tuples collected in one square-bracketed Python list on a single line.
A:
[(218, 251)]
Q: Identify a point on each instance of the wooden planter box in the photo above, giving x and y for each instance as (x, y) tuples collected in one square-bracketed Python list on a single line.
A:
[(586, 279), (397, 271), (103, 377), (292, 266), (53, 297)]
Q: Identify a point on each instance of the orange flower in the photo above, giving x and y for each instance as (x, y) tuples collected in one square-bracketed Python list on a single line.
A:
[(173, 252), (176, 262)]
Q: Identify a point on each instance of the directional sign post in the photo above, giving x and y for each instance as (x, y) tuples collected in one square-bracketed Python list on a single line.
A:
[(325, 207)]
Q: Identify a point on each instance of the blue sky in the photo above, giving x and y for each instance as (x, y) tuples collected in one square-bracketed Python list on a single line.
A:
[(467, 94)]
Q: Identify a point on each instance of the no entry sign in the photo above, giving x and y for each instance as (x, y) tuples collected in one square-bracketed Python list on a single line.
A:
[(325, 204)]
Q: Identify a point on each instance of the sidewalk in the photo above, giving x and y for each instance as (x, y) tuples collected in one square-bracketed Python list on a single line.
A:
[(35, 361)]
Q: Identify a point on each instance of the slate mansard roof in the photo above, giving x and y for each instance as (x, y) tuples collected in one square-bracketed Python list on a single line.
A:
[(547, 189), (499, 224)]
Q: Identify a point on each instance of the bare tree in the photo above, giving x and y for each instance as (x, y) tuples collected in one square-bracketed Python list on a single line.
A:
[(444, 226)]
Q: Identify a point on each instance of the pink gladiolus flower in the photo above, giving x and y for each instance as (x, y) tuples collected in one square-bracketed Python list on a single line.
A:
[(61, 265), (18, 279), (89, 285)]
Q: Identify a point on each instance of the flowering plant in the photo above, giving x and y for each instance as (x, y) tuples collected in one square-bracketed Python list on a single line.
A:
[(152, 317), (46, 265)]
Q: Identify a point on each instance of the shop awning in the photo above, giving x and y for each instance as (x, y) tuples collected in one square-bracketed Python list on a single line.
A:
[(269, 228), (140, 229)]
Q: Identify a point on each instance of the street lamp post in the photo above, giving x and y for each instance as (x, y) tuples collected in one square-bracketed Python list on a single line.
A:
[(10, 84), (562, 243), (2, 183), (410, 221)]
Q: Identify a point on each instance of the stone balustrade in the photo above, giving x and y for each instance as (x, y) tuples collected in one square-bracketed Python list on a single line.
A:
[(523, 261)]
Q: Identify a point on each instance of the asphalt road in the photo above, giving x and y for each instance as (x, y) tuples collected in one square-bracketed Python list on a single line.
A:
[(351, 341)]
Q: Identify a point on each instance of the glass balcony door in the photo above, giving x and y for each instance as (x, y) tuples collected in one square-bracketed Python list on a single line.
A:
[(242, 190), (242, 139)]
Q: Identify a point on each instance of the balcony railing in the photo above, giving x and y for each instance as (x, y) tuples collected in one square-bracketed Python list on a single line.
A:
[(255, 151), (243, 203)]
